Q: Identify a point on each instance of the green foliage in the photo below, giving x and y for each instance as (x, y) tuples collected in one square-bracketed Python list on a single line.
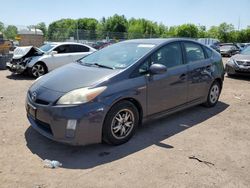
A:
[(42, 27), (62, 29), (10, 32), (118, 27), (1, 26), (187, 30)]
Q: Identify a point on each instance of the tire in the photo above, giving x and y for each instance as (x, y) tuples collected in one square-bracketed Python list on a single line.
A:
[(37, 70), (120, 123), (213, 94)]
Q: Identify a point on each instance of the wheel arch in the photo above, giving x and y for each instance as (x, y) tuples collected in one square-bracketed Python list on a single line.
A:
[(135, 102)]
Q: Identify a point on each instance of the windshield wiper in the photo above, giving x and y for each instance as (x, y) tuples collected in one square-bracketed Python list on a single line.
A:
[(103, 66), (94, 64)]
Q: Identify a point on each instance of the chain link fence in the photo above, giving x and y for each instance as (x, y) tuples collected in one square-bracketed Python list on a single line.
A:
[(78, 35)]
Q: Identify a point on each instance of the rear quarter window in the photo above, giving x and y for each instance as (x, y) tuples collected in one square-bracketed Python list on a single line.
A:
[(209, 52), (78, 48)]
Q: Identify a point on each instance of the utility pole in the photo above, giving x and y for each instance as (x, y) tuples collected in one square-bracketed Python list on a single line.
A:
[(77, 34)]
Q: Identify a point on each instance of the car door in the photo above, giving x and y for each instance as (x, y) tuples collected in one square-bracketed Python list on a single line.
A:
[(79, 51), (167, 90), (199, 71), (62, 57)]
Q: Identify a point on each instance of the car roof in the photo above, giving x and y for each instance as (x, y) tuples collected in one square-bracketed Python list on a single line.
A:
[(158, 41), (60, 43)]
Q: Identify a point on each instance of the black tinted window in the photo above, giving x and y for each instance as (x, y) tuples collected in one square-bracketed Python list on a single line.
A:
[(62, 49), (194, 52), (169, 55), (78, 48)]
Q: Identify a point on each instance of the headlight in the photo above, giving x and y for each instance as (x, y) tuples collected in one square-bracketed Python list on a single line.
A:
[(26, 61), (80, 96), (231, 61)]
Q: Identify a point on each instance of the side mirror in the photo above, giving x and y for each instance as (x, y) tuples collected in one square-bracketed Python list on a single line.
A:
[(53, 53), (157, 69)]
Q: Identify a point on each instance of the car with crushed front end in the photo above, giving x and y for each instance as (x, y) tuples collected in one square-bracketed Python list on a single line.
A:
[(39, 61), (239, 64), (107, 94)]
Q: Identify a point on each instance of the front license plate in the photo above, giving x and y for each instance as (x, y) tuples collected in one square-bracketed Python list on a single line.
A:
[(31, 110)]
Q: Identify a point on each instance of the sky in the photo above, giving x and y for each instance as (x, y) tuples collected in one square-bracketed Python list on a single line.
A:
[(168, 12)]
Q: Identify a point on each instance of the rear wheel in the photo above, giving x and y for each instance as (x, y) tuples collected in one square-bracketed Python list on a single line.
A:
[(120, 123), (37, 70), (213, 94)]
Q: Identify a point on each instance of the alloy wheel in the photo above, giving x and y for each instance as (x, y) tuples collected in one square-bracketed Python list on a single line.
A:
[(214, 93), (38, 70), (122, 124)]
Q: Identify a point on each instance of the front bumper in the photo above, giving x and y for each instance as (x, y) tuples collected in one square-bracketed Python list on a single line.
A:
[(233, 69), (51, 121), (15, 68)]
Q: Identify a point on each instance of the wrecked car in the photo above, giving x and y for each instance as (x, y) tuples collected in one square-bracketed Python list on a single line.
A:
[(38, 61)]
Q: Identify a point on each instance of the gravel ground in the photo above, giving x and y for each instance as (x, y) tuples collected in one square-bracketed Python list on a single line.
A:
[(198, 147)]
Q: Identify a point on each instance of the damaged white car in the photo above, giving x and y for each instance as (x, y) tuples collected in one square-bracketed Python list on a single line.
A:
[(38, 61)]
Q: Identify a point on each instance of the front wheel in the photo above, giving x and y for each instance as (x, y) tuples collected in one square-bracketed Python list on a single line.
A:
[(120, 123), (213, 94), (38, 70)]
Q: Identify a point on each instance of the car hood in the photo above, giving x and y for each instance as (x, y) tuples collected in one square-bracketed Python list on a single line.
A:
[(73, 76), (225, 50), (20, 52), (241, 57)]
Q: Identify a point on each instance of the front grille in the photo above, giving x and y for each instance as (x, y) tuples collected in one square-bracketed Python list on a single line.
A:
[(43, 102), (15, 61), (44, 126), (243, 71), (244, 63)]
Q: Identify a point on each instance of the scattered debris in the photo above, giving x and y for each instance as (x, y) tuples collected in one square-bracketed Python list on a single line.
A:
[(201, 161), (51, 164), (104, 153), (237, 97), (40, 186)]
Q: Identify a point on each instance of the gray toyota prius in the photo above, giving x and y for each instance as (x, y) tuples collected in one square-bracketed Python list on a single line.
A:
[(106, 95)]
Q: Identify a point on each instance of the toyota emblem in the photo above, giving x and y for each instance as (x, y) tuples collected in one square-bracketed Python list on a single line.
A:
[(33, 96)]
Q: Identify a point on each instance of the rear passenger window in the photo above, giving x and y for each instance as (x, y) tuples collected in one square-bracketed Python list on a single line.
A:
[(194, 52), (78, 48)]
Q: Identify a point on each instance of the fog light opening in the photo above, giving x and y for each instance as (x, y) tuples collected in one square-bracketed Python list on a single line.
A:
[(71, 127)]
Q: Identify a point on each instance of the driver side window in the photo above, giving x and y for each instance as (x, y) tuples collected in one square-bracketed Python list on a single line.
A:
[(169, 55)]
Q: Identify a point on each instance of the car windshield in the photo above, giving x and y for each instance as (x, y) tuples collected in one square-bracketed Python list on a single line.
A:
[(246, 51), (226, 47), (117, 56), (47, 47)]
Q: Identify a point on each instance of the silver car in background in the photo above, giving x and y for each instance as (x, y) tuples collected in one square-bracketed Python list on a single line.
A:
[(239, 63)]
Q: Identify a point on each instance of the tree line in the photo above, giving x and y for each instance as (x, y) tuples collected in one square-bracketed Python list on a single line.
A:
[(123, 28)]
